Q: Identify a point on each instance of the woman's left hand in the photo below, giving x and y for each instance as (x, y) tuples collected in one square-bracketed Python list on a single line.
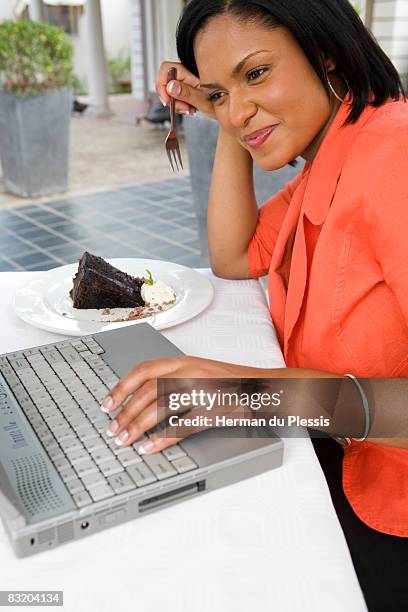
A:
[(139, 390)]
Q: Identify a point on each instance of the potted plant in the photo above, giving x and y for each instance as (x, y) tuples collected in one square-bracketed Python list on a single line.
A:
[(35, 107)]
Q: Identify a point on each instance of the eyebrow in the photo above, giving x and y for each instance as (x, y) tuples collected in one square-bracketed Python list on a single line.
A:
[(236, 70)]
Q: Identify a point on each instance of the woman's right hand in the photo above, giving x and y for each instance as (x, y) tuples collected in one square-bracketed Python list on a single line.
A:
[(189, 97)]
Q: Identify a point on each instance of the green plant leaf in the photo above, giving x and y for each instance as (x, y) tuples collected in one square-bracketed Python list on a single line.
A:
[(34, 57)]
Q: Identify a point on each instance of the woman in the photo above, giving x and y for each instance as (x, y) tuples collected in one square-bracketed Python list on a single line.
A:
[(287, 79)]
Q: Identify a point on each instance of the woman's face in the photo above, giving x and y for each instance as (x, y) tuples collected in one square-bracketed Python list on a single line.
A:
[(263, 89)]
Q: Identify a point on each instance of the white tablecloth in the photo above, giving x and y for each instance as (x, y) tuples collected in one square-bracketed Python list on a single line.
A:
[(270, 543)]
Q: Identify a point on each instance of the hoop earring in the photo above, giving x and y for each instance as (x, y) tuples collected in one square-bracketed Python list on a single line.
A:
[(334, 92)]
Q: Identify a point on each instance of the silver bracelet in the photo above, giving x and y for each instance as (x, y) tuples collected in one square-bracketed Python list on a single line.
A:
[(366, 408)]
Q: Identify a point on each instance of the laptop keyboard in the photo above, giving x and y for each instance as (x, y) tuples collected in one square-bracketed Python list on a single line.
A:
[(60, 388)]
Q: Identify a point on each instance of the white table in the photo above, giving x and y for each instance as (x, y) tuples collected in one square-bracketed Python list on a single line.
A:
[(272, 542)]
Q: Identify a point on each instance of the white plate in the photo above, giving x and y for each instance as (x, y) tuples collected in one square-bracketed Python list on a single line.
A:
[(45, 298)]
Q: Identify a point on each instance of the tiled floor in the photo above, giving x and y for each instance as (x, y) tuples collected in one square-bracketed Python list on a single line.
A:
[(151, 220)]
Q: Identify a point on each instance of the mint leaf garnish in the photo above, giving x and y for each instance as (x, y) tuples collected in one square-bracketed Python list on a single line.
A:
[(149, 281)]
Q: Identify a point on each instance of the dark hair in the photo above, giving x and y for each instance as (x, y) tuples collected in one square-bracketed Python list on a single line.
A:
[(323, 28)]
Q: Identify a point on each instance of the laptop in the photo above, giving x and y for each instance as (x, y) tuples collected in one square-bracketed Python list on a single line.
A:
[(62, 478)]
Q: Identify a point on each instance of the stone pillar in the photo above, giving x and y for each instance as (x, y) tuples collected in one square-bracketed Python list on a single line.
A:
[(97, 72), (36, 10), (138, 49), (154, 25), (151, 39)]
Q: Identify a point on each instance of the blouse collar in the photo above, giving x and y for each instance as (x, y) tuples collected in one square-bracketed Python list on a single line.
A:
[(329, 161)]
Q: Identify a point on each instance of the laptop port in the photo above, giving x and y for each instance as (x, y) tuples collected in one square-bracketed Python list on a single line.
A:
[(170, 496)]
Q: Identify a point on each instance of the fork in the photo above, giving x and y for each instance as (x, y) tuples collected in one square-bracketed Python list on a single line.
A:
[(172, 144)]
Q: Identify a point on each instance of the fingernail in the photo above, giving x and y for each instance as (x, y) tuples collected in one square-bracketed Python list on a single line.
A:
[(113, 428), (174, 88), (146, 447), (107, 404), (163, 102), (122, 438), (183, 112)]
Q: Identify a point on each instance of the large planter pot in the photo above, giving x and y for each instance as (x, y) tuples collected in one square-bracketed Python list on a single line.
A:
[(201, 140), (34, 141)]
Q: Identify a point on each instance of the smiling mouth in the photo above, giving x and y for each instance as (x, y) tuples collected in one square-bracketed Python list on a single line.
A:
[(258, 138)]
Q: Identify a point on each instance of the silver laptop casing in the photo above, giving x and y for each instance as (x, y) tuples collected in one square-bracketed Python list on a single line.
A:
[(36, 508)]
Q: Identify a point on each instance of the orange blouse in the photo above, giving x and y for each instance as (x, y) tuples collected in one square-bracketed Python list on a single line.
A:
[(334, 244)]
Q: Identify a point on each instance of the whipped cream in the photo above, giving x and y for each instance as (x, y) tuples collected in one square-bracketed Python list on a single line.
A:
[(157, 294)]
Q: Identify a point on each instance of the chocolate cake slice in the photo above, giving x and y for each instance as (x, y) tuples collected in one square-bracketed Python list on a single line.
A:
[(97, 284)]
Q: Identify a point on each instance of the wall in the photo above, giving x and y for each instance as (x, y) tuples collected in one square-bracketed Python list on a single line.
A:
[(6, 9), (390, 27)]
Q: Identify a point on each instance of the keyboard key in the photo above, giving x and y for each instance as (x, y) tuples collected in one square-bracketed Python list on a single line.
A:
[(111, 444), (77, 456), (16, 355), (159, 466), (49, 442), (55, 453), (184, 464), (78, 421), (102, 492), (173, 452), (136, 445), (141, 474), (69, 444), (61, 433), (54, 357), (61, 429), (128, 456), (109, 440), (61, 464), (68, 474), (82, 499), (70, 354), (19, 363), (46, 437), (66, 402), (101, 427), (53, 422), (109, 468), (121, 483), (85, 431), (74, 415), (93, 346), (32, 351), (74, 486), (99, 420), (92, 480), (94, 443), (100, 455), (85, 468), (78, 345)]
